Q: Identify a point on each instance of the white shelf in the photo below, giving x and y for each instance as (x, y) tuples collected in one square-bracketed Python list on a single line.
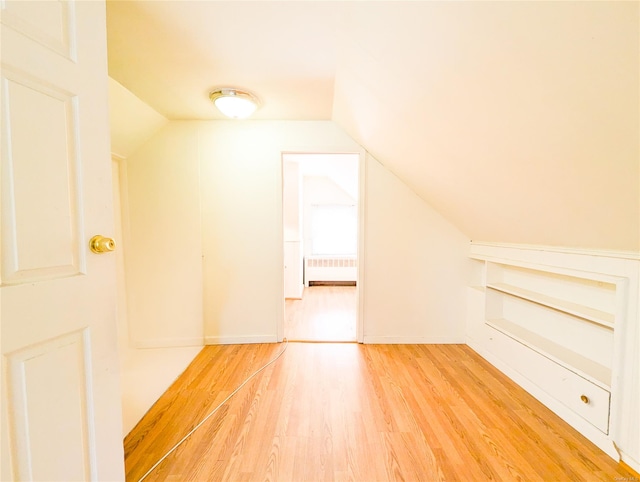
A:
[(575, 309), (586, 368), (561, 323)]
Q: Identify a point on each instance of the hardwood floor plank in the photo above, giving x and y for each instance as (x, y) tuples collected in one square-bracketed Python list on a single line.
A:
[(451, 363), (325, 313), (357, 413), (497, 405)]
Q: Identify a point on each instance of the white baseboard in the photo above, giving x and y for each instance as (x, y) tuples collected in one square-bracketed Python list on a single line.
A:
[(239, 340), (413, 340), (167, 342), (630, 461)]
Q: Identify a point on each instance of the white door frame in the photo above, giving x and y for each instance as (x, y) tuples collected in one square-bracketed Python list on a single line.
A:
[(360, 285)]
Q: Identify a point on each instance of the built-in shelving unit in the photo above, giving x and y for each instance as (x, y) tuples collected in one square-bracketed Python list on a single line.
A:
[(591, 314), (568, 318), (555, 322), (477, 280), (581, 365)]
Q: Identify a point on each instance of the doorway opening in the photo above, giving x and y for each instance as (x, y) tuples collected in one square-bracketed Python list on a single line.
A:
[(320, 212)]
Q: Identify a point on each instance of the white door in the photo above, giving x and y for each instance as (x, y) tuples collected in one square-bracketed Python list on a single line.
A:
[(60, 383)]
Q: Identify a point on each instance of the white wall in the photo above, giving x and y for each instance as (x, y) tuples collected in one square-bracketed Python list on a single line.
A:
[(118, 174), (242, 220), (207, 240), (291, 194), (131, 121), (415, 261), (522, 126), (164, 247)]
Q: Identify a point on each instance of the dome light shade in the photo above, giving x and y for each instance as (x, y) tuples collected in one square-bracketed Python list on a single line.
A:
[(234, 103)]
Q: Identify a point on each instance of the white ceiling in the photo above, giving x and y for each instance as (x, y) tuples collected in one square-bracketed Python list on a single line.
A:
[(171, 54), (518, 121)]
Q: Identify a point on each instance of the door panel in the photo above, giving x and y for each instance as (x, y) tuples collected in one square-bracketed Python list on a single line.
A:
[(39, 129), (60, 379), (50, 23), (54, 440)]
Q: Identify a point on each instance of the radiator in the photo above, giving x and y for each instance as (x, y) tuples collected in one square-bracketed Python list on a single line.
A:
[(329, 268)]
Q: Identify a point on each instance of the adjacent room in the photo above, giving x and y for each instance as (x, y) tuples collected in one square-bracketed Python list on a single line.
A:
[(411, 253), (320, 220)]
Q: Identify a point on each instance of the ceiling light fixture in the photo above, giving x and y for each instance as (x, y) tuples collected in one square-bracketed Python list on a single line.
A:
[(234, 103)]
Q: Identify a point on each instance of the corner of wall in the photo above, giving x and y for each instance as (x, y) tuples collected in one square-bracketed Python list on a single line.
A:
[(132, 122)]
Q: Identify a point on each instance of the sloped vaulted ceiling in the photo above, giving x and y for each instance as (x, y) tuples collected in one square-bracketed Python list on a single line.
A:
[(518, 121)]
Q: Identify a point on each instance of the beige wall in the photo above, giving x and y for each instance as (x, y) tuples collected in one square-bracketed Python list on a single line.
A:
[(521, 126), (414, 263), (118, 175), (291, 194), (131, 121), (163, 245), (205, 257), (242, 220)]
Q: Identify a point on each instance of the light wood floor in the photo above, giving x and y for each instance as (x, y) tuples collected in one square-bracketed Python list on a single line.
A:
[(325, 313), (360, 413)]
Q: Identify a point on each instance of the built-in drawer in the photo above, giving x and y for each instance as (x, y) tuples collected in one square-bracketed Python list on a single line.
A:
[(582, 396)]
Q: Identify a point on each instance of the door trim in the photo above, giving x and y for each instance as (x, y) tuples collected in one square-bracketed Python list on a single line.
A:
[(360, 285)]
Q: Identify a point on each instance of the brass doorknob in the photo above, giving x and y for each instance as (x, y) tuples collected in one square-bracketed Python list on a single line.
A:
[(100, 244), (584, 399)]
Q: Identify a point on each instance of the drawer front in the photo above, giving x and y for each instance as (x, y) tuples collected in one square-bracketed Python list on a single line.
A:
[(586, 399)]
